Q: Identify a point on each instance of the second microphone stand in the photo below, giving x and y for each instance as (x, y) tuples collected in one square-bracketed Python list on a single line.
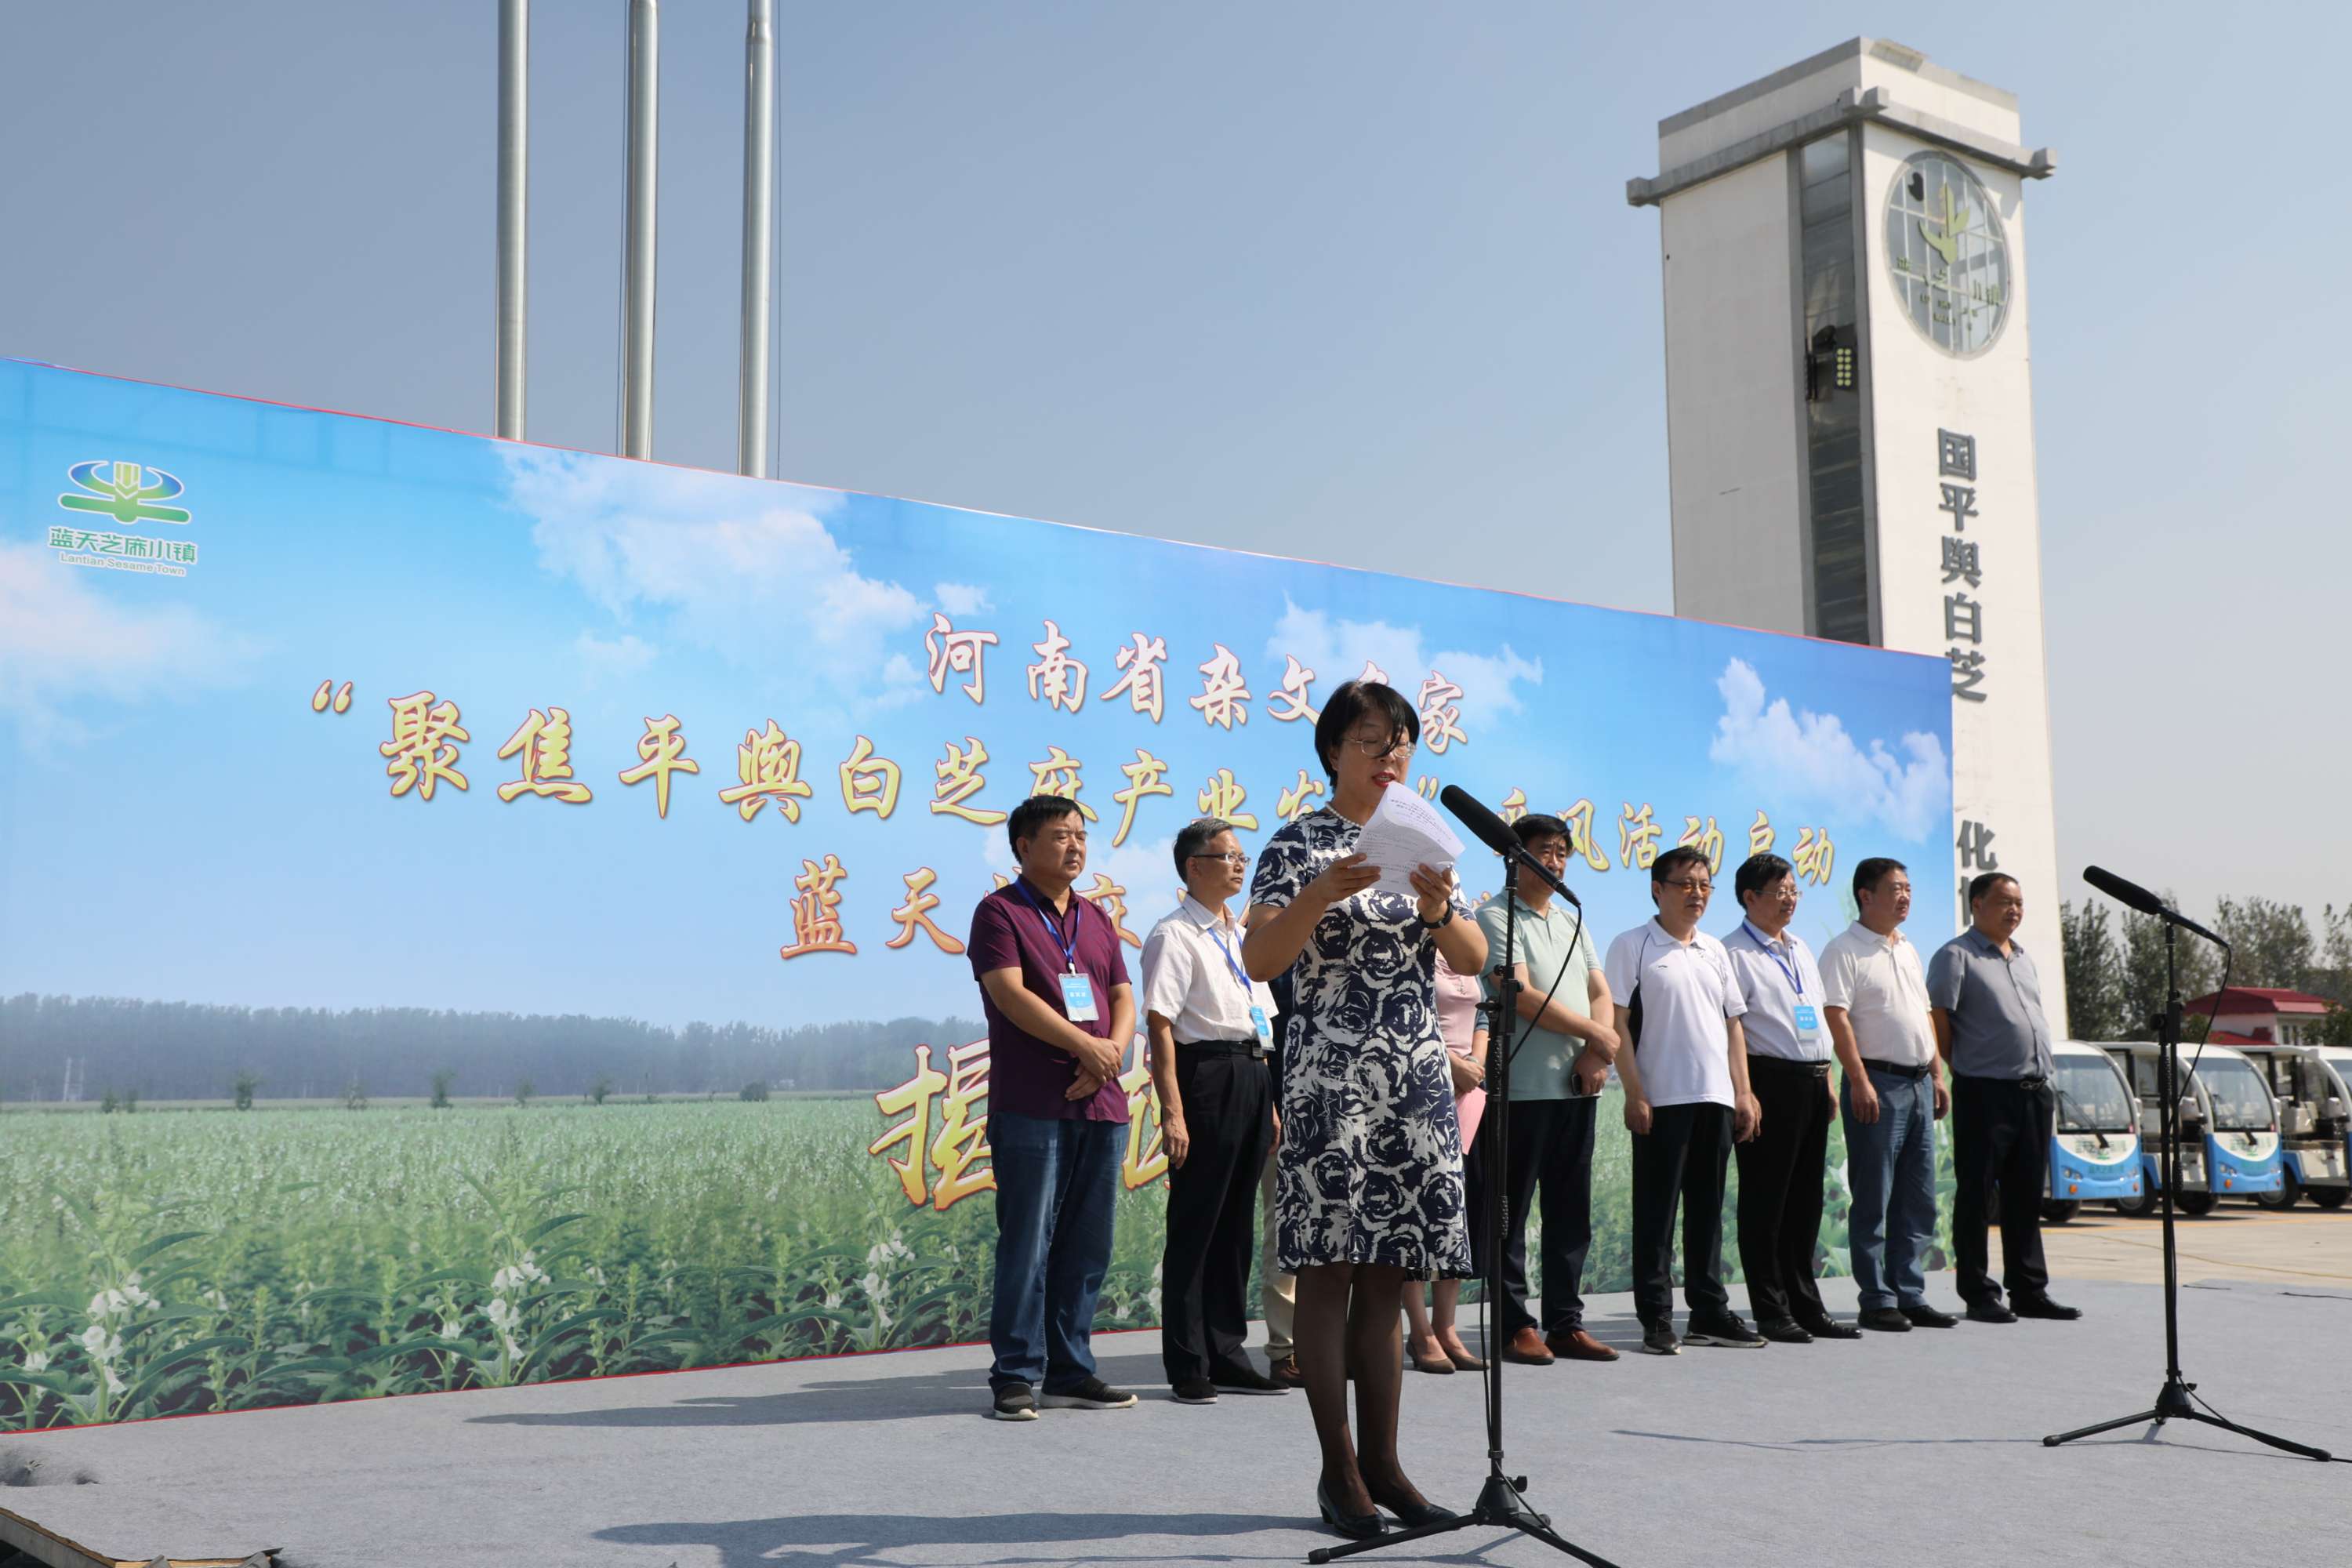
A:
[(1502, 1502)]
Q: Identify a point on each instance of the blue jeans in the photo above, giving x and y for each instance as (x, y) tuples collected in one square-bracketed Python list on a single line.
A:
[(1057, 1186), (1890, 1163)]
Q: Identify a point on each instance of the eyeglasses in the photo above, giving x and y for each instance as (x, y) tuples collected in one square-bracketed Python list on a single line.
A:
[(1692, 887), (1228, 859), (1378, 749)]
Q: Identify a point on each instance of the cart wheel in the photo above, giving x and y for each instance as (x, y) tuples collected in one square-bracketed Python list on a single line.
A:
[(2058, 1211), (2289, 1190)]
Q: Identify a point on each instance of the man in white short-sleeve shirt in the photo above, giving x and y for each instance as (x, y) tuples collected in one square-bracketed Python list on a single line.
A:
[(1683, 1061), (1211, 1028), (1876, 1001)]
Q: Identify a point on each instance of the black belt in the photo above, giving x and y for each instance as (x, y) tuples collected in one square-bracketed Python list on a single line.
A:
[(1910, 1072), (1788, 1064), (1220, 1048)]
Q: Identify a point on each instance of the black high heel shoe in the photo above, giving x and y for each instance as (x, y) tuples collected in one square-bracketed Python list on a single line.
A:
[(1354, 1526), (1410, 1514)]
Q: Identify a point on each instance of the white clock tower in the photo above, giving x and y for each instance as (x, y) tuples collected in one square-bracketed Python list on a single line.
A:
[(1850, 405)]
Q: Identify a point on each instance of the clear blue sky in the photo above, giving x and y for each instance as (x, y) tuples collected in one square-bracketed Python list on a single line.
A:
[(1346, 281)]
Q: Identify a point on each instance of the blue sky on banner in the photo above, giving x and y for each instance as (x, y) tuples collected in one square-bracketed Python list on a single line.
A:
[(181, 825)]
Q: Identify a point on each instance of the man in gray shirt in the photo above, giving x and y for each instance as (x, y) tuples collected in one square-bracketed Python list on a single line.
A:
[(1986, 1001)]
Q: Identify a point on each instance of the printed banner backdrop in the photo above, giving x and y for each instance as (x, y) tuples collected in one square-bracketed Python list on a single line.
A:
[(510, 900)]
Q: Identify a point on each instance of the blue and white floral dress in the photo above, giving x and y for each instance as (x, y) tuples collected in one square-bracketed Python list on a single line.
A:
[(1369, 1170)]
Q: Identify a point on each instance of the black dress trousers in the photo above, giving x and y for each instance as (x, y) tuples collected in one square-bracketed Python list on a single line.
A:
[(1681, 1158), (1212, 1203), (2000, 1138), (1551, 1161), (1781, 1176)]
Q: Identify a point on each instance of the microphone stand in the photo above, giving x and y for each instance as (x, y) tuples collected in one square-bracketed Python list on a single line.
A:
[(1502, 1502), (2172, 1400)]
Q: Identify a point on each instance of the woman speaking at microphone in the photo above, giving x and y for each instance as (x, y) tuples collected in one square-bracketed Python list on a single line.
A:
[(1368, 1173)]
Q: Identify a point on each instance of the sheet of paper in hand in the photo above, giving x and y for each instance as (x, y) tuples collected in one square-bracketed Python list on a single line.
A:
[(1406, 832)]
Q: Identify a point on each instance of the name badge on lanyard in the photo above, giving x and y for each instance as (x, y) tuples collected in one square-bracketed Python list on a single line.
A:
[(1808, 1018), (1078, 990), (1260, 1024)]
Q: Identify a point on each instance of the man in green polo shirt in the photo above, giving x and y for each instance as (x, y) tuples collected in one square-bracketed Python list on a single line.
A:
[(1561, 1059)]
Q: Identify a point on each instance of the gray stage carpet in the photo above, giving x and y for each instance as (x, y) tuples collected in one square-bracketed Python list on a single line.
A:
[(1921, 1448)]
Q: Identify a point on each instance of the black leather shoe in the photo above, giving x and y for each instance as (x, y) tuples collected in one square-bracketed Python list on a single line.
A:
[(1413, 1514), (1354, 1526), (1782, 1331), (1990, 1313), (1829, 1328), (2044, 1307), (1886, 1320), (1927, 1317)]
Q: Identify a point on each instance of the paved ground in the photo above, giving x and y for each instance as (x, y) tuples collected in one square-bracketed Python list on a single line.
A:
[(1918, 1449), (2236, 1241)]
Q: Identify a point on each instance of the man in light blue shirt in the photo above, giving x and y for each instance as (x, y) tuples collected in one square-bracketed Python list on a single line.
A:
[(1781, 1168)]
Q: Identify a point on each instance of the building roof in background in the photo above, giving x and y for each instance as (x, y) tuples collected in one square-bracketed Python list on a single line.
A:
[(2257, 999)]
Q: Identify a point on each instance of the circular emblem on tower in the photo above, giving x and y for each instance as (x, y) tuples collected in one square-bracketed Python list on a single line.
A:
[(1947, 254)]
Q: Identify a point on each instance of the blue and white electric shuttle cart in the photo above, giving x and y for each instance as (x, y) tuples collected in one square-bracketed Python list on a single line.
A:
[(2095, 1144), (2229, 1127), (2314, 1121)]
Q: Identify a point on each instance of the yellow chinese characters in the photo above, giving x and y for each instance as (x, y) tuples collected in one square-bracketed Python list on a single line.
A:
[(422, 747), (960, 780), (1058, 775), (1287, 702), (869, 783), (1637, 836), (1300, 798), (1441, 714), (1223, 690), (1222, 798), (663, 750), (915, 914), (769, 764), (545, 741), (816, 910), (1815, 855), (1058, 678), (1579, 819), (1144, 682), (949, 649), (961, 1145), (1146, 1160), (1144, 778), (1707, 838)]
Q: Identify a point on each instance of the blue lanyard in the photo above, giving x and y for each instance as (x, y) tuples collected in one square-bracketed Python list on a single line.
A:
[(1069, 944), (1795, 983), (1232, 963)]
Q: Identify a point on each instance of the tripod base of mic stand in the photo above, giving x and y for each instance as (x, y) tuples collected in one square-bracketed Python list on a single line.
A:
[(1500, 1507), (2172, 1403)]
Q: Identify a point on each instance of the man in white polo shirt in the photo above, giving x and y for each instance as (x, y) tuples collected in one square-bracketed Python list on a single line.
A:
[(1683, 1061), (1876, 997), (1211, 1027), (1781, 1168)]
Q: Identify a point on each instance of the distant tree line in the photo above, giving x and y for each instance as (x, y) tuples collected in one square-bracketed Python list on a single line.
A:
[(181, 1050), (2115, 961)]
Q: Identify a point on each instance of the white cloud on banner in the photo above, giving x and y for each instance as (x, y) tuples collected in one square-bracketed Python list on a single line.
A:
[(961, 598), (62, 642), (623, 656), (1811, 756), (1337, 651), (747, 570)]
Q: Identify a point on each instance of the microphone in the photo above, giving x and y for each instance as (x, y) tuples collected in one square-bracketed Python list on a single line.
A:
[(1496, 834), (2133, 896)]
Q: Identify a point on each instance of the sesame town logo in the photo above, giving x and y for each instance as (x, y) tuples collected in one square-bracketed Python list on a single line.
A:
[(129, 494)]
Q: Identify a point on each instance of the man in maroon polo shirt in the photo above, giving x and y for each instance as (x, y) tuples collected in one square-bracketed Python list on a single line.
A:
[(1060, 1014)]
